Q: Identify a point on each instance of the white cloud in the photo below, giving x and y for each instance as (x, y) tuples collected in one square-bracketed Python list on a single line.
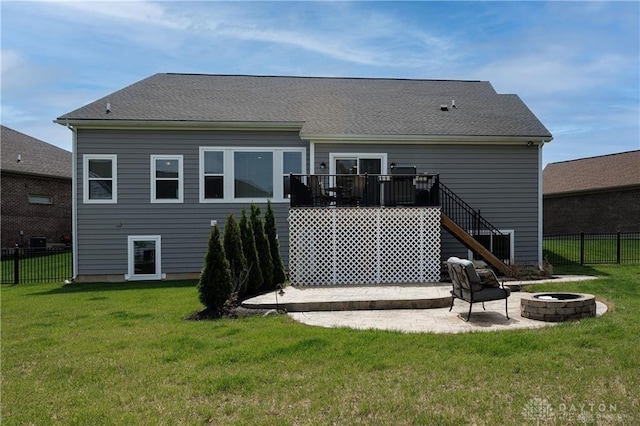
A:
[(11, 113), (543, 74), (9, 60), (19, 73), (351, 34), (139, 12)]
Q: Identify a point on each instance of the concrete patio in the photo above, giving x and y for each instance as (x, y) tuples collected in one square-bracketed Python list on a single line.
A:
[(402, 307)]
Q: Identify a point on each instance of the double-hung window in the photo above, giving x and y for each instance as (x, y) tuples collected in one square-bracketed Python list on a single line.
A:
[(212, 175), (233, 174), (100, 179), (166, 179)]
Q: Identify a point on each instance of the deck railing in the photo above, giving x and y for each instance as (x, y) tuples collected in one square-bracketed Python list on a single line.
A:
[(363, 190)]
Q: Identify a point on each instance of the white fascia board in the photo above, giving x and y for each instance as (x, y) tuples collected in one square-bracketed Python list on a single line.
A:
[(181, 125), (424, 139)]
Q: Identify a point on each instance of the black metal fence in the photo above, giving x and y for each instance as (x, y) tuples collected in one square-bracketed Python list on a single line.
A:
[(28, 265), (592, 248)]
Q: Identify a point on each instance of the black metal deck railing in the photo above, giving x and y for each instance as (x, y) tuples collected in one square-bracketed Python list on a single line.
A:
[(363, 190)]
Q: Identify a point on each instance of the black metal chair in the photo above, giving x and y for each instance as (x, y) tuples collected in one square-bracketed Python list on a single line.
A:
[(468, 286)]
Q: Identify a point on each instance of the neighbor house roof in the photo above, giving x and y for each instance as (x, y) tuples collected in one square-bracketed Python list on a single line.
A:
[(36, 157), (593, 174), (320, 107)]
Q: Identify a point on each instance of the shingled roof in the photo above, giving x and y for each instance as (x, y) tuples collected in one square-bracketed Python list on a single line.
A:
[(340, 107), (613, 171), (36, 157)]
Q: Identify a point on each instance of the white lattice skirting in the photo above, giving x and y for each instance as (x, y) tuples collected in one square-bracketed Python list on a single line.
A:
[(364, 245)]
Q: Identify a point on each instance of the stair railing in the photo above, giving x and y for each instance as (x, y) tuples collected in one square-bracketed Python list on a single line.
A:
[(472, 221)]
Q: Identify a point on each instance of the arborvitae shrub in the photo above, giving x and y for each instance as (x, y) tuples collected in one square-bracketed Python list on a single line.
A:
[(235, 256), (262, 245), (215, 285), (279, 276), (255, 279)]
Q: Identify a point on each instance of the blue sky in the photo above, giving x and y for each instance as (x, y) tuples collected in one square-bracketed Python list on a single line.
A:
[(575, 64)]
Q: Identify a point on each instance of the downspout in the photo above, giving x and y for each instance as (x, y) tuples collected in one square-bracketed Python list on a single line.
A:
[(540, 207), (74, 199), (312, 158)]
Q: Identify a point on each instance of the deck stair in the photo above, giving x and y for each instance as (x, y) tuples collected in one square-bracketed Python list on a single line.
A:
[(459, 219)]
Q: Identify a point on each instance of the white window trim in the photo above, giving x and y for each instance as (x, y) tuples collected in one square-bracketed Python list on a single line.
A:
[(131, 275), (180, 198), (114, 178), (512, 239), (228, 175)]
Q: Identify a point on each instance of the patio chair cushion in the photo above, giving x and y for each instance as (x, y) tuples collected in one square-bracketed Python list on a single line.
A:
[(489, 293), (488, 278), (474, 279)]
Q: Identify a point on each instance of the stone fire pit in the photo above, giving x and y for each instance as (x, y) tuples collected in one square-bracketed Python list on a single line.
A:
[(556, 307)]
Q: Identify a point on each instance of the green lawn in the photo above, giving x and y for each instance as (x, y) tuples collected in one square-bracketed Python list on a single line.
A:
[(105, 354)]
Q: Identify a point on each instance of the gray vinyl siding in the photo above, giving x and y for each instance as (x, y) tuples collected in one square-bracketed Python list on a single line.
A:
[(102, 229), (500, 180)]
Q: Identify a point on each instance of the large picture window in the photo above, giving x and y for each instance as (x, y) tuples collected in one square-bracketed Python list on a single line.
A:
[(166, 179), (248, 174), (253, 174), (100, 181)]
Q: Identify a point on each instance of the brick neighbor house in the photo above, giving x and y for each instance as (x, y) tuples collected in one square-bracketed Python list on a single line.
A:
[(36, 190), (596, 194)]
